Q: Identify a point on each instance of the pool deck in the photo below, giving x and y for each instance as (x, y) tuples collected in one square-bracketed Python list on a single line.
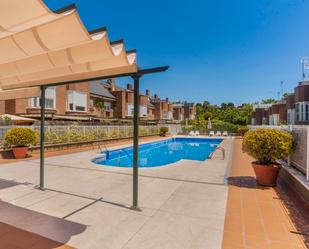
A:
[(85, 205)]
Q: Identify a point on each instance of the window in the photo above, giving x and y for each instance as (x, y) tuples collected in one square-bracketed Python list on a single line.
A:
[(77, 101), (302, 111), (142, 111), (130, 110), (50, 99), (297, 112), (307, 112), (107, 106)]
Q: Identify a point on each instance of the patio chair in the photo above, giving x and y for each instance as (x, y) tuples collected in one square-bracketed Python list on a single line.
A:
[(197, 133), (225, 133), (191, 133), (218, 134), (211, 133)]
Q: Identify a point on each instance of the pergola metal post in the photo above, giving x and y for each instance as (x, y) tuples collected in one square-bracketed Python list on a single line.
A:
[(42, 137), (136, 78)]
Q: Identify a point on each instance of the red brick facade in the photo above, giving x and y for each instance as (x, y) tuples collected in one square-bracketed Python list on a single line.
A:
[(119, 104)]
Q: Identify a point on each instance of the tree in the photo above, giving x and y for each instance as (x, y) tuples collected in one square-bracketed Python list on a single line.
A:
[(268, 101), (286, 95)]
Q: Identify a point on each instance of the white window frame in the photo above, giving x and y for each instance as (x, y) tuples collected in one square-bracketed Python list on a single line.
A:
[(130, 110), (291, 116), (302, 111), (143, 111), (107, 106), (50, 94), (74, 97)]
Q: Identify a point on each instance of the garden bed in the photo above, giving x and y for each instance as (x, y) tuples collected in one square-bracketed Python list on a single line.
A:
[(7, 153)]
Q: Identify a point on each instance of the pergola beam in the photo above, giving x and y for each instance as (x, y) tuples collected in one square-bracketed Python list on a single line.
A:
[(138, 72)]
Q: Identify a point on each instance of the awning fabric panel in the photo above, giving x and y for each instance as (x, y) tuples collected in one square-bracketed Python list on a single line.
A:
[(21, 93), (41, 47)]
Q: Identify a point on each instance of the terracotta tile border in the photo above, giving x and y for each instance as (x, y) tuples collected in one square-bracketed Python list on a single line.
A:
[(256, 217)]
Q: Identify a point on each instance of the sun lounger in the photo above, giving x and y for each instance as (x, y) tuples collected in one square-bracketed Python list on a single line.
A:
[(218, 134), (197, 133), (225, 133), (191, 133), (211, 133)]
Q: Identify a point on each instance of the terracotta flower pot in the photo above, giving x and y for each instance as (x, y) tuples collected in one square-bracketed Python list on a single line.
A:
[(20, 152), (266, 175)]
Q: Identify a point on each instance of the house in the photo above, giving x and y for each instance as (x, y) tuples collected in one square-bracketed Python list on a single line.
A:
[(101, 100), (293, 109), (260, 114), (278, 113), (302, 103), (189, 111), (95, 101), (290, 105), (178, 112), (83, 102), (125, 103), (163, 108)]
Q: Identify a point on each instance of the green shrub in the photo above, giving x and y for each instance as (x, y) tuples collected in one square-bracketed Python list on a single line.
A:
[(20, 137), (163, 130), (242, 130), (218, 125), (267, 145)]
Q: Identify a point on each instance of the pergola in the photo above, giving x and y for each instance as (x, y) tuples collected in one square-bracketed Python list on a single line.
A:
[(40, 48)]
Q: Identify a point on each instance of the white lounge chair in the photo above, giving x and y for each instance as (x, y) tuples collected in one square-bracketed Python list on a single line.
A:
[(191, 133), (197, 133), (211, 133), (218, 134), (225, 133)]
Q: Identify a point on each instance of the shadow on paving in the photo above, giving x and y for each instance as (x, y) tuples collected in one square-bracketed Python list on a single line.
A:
[(34, 229), (298, 209), (8, 184), (244, 182)]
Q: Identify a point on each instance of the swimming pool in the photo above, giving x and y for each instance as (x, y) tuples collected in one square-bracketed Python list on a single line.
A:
[(161, 152)]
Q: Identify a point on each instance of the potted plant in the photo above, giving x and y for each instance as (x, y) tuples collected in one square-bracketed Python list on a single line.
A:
[(20, 139), (163, 131), (267, 146)]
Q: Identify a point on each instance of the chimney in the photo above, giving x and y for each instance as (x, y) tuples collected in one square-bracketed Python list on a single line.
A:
[(113, 84), (147, 92), (130, 87), (155, 96)]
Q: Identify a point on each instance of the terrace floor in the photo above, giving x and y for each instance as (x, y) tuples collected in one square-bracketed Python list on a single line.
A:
[(262, 218), (88, 206)]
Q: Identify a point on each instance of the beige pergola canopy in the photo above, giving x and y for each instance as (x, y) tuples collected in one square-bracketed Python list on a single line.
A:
[(40, 47)]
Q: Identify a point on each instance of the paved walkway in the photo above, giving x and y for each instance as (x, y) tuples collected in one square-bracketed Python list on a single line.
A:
[(256, 217), (88, 206)]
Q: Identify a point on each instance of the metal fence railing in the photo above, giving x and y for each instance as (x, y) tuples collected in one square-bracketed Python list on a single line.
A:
[(57, 134)]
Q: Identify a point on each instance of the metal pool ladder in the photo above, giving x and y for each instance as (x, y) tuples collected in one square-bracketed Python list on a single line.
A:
[(218, 148), (99, 147)]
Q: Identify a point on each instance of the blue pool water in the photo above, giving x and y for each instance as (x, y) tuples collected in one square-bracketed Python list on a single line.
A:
[(162, 152)]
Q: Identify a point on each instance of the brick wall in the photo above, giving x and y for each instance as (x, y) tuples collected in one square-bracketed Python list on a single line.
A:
[(101, 112), (2, 107), (143, 100), (61, 99), (121, 103), (158, 112), (130, 97)]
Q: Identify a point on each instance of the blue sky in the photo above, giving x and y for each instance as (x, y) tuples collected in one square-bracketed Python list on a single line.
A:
[(219, 50)]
